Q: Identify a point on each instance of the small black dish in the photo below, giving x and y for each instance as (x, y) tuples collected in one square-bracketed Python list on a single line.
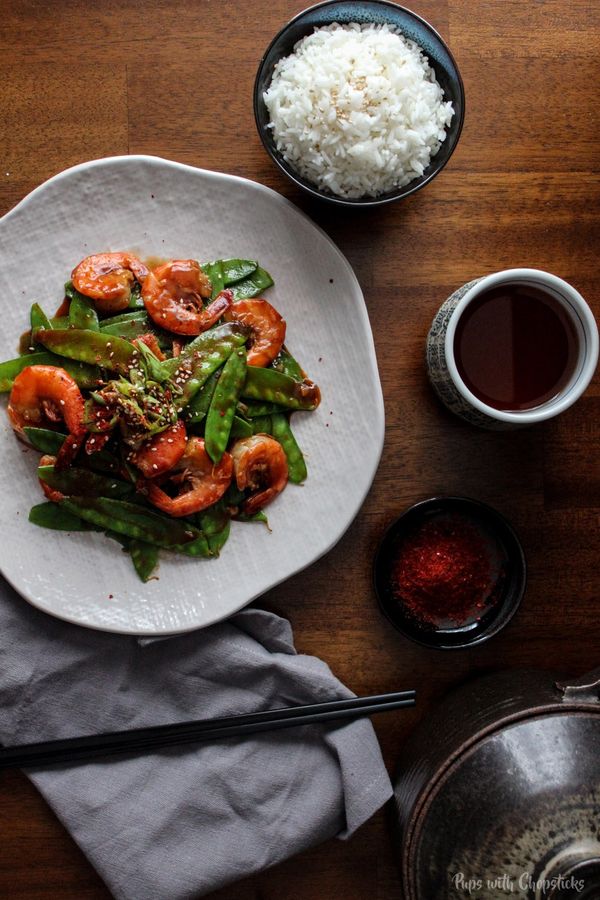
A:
[(378, 12), (509, 589)]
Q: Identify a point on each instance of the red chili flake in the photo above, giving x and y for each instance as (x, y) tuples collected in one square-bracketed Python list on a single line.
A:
[(444, 571)]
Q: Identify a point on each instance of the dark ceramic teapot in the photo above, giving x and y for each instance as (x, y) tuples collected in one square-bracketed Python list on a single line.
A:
[(499, 792)]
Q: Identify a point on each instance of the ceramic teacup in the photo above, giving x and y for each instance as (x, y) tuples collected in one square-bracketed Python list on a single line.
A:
[(442, 365)]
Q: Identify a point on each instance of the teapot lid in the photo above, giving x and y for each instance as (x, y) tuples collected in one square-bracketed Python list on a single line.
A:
[(518, 814), (499, 792)]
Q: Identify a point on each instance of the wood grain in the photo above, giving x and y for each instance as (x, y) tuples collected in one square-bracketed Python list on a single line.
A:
[(80, 80)]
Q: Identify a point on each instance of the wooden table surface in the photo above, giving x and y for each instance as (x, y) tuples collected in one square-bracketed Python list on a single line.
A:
[(84, 80)]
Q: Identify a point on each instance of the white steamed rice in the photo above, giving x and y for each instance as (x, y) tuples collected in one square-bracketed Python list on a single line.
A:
[(356, 110)]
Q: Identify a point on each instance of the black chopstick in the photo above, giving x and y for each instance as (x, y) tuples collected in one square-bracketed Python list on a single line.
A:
[(145, 740)]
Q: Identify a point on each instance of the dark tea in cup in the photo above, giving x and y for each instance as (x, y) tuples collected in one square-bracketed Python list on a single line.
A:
[(516, 346)]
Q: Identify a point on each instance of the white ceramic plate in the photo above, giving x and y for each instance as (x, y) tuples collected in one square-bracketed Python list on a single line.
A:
[(160, 208)]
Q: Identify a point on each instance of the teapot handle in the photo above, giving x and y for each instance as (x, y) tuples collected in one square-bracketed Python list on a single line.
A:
[(585, 688)]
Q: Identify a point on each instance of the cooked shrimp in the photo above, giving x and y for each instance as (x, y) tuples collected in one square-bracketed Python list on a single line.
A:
[(173, 294), (266, 325), (199, 481), (260, 464), (44, 395), (163, 451), (107, 279)]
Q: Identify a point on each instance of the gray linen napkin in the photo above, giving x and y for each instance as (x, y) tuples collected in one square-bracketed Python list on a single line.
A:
[(183, 821)]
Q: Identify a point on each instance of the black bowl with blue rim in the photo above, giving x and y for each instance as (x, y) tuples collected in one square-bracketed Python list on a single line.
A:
[(378, 12), (507, 565)]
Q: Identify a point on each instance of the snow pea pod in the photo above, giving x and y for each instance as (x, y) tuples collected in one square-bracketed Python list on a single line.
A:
[(45, 440), (83, 483), (134, 521), (254, 408), (285, 362), (217, 541), (198, 547), (214, 519), (261, 425), (70, 290), (144, 557), (128, 330), (50, 515), (38, 317), (283, 433), (214, 271), (202, 366), (133, 324), (253, 285), (60, 323), (275, 387), (233, 270), (222, 407), (86, 376), (106, 350), (236, 269), (240, 428), (229, 334), (134, 316), (82, 313), (198, 406), (259, 516)]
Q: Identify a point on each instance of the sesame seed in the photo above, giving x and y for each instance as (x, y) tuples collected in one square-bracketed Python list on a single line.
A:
[(169, 440), (154, 466), (62, 402)]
